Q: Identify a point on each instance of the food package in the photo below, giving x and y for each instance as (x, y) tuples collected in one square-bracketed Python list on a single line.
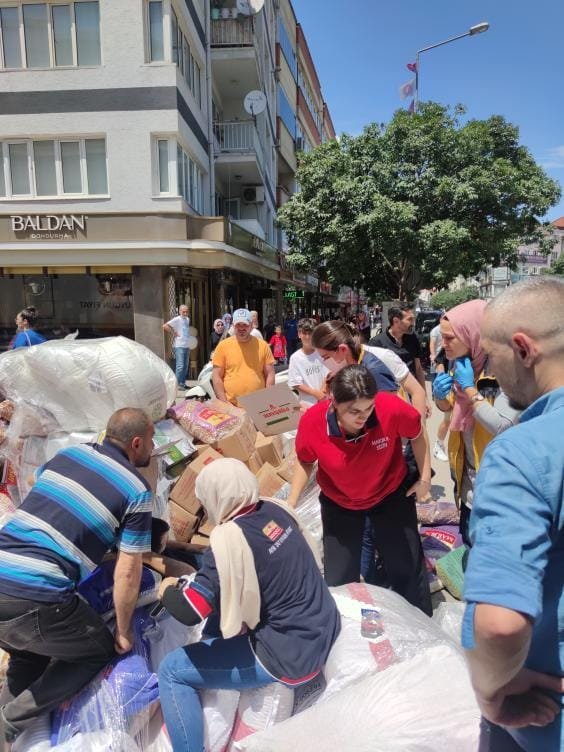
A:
[(438, 541), (239, 445), (171, 442), (184, 492), (84, 381), (440, 512), (286, 469), (205, 527), (269, 481), (270, 449), (6, 410), (450, 568), (183, 523)]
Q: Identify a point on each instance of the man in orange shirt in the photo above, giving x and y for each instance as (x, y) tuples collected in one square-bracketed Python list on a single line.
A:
[(241, 364)]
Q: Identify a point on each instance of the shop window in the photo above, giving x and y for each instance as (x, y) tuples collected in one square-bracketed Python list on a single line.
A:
[(53, 35), (53, 168)]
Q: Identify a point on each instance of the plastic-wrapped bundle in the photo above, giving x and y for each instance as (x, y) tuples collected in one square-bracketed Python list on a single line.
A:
[(424, 704), (448, 617), (84, 381), (209, 421), (259, 709), (220, 708), (118, 702), (308, 509)]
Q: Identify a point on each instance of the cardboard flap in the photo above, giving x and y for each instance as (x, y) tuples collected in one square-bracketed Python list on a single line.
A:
[(273, 410)]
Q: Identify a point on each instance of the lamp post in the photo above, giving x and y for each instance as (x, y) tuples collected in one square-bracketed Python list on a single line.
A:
[(472, 31)]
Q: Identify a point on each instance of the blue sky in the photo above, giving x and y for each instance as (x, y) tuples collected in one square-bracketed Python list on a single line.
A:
[(515, 69)]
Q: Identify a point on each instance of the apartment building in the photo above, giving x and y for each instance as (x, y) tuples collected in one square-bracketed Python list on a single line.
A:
[(132, 178)]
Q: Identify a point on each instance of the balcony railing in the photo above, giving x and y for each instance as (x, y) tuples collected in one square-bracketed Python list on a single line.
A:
[(233, 32), (240, 137)]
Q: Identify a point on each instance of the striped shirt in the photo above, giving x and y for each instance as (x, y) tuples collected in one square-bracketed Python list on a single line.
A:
[(86, 500)]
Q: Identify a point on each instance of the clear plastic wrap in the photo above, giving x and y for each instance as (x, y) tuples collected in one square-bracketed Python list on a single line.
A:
[(259, 709), (117, 704), (448, 617), (308, 509), (424, 704), (209, 421), (82, 382)]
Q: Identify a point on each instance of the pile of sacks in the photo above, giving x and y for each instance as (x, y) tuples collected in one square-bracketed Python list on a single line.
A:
[(442, 544), (382, 692)]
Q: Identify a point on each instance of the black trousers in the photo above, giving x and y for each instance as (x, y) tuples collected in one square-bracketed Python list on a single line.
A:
[(496, 739), (394, 526), (55, 650)]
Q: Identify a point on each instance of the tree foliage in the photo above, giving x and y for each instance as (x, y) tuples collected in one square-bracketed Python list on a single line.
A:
[(416, 202), (556, 268), (447, 299)]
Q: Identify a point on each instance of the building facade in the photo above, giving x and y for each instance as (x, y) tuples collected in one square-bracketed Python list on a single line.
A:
[(132, 177)]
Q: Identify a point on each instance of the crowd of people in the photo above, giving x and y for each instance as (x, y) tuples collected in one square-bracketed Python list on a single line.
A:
[(498, 374)]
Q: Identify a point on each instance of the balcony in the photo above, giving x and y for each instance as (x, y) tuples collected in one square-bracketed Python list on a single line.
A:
[(239, 144), (233, 32)]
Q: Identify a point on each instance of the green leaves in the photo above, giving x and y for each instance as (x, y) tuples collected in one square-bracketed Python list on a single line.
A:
[(416, 202)]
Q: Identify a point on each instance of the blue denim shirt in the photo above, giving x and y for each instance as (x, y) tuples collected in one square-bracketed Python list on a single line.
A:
[(517, 530)]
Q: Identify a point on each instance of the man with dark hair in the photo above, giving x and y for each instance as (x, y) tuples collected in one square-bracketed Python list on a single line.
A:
[(400, 338), (86, 500)]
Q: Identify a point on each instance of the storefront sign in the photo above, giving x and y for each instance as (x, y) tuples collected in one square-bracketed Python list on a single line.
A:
[(293, 294), (49, 226)]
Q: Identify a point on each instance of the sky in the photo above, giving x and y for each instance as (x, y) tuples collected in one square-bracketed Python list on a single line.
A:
[(361, 48)]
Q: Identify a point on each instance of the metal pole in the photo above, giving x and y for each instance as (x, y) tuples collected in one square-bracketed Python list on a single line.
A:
[(416, 98)]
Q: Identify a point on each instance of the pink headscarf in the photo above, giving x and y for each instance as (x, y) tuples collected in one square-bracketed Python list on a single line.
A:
[(466, 320)]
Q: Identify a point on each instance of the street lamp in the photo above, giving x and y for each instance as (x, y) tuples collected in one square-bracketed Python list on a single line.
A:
[(472, 31)]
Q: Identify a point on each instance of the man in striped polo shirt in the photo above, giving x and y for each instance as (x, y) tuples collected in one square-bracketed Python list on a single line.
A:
[(86, 500)]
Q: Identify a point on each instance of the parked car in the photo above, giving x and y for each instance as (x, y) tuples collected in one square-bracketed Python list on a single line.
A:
[(425, 321)]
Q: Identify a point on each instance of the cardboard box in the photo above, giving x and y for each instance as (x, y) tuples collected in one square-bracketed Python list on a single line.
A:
[(286, 469), (273, 410), (205, 527), (254, 463), (270, 449), (200, 540), (183, 523), (240, 444), (269, 481), (184, 492)]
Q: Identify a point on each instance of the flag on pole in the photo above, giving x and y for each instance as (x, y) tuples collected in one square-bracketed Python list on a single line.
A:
[(407, 90), (411, 107), (412, 67)]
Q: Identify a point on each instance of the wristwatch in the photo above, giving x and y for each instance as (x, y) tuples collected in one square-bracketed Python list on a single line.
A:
[(477, 398)]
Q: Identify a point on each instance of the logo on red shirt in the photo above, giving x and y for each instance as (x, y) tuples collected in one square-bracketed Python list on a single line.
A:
[(272, 530)]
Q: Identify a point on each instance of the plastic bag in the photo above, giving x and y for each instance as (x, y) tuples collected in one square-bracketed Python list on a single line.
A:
[(220, 708), (448, 617), (97, 588), (260, 708), (424, 704), (209, 421)]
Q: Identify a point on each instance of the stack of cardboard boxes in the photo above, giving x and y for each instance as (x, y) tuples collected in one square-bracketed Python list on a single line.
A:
[(263, 455)]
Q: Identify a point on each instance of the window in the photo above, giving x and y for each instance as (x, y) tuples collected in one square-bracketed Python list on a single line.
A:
[(286, 112), (53, 168), (310, 100), (287, 48), (53, 34), (185, 60), (156, 36), (189, 177)]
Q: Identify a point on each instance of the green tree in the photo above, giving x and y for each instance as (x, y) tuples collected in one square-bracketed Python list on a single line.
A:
[(557, 267), (416, 202), (447, 299)]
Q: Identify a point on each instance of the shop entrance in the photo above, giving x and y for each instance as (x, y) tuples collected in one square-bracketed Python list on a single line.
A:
[(194, 291)]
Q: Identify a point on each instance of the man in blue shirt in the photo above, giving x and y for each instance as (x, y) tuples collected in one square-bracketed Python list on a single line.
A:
[(86, 500), (513, 628)]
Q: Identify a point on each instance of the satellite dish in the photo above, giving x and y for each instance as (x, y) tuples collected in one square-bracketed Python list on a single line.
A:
[(255, 102), (249, 7)]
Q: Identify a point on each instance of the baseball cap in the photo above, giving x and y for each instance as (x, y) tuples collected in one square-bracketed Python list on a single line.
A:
[(241, 316)]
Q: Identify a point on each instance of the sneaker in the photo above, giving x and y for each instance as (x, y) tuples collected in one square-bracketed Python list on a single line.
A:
[(439, 451)]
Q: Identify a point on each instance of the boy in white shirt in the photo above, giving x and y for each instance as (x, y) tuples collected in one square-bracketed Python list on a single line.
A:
[(306, 371)]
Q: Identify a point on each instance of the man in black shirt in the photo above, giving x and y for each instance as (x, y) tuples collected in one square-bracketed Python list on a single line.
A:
[(399, 338)]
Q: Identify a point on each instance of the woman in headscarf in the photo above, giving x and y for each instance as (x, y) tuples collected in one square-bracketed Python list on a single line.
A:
[(480, 410), (218, 333), (278, 620)]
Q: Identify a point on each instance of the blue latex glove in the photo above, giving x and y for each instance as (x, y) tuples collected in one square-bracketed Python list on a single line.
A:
[(442, 385), (464, 373)]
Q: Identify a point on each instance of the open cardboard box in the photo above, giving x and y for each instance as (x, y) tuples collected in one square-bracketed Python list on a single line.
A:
[(274, 410)]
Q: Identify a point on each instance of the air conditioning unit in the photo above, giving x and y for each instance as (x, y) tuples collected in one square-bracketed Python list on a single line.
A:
[(253, 194)]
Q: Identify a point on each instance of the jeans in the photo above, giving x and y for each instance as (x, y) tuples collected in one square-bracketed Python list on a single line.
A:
[(396, 537), (211, 664), (55, 649), (496, 739), (182, 355)]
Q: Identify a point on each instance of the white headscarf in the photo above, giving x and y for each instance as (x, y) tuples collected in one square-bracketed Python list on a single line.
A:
[(224, 488)]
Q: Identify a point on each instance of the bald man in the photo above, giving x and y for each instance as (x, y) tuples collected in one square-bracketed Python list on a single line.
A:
[(513, 628), (86, 500)]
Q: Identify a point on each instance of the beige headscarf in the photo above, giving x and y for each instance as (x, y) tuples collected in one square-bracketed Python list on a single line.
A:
[(224, 488)]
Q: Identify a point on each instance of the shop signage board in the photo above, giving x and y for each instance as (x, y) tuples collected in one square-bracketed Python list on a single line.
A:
[(293, 294), (49, 226)]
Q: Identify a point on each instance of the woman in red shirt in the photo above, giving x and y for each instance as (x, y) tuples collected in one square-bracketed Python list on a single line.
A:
[(356, 439)]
